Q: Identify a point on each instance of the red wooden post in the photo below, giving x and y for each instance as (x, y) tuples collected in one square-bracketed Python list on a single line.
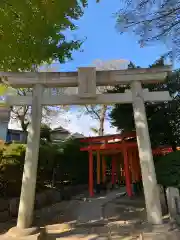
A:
[(113, 162), (91, 192), (127, 173), (121, 169), (98, 167), (134, 166), (103, 169), (130, 160), (115, 168)]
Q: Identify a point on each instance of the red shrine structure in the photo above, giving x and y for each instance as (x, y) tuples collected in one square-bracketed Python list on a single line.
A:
[(123, 151)]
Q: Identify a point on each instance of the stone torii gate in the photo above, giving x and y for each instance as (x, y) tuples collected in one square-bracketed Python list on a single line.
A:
[(87, 79)]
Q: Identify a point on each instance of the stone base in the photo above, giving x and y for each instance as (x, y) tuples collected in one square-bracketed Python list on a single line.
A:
[(161, 232), (16, 233)]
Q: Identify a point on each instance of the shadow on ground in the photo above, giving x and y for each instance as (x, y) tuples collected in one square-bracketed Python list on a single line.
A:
[(122, 218), (4, 227)]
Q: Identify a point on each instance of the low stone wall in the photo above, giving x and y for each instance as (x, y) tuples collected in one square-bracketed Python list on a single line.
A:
[(9, 207)]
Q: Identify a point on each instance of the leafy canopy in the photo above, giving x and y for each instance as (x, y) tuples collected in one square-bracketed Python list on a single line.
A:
[(152, 20), (163, 118), (168, 170), (32, 32)]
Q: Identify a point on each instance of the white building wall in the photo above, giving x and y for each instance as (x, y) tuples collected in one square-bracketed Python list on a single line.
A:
[(3, 130)]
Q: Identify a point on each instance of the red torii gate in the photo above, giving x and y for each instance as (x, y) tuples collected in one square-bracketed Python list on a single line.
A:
[(115, 145)]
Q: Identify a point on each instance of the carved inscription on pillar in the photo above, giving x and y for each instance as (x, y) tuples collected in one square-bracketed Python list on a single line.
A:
[(87, 82)]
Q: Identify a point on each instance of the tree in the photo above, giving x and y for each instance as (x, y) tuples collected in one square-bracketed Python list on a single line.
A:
[(168, 170), (100, 112), (22, 114), (45, 132), (163, 118), (152, 21), (32, 32)]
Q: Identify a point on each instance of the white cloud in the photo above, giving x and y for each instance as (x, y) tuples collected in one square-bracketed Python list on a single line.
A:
[(81, 124), (71, 121)]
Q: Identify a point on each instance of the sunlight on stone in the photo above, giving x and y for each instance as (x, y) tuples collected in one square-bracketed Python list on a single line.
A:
[(150, 178), (101, 197), (155, 216), (140, 124)]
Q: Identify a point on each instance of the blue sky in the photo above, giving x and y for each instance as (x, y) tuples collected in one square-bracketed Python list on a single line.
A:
[(104, 42)]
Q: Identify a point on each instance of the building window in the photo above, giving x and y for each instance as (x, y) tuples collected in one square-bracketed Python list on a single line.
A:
[(15, 137)]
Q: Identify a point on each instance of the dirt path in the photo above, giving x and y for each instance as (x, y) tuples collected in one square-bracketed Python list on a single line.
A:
[(108, 217), (126, 218), (86, 221), (105, 217)]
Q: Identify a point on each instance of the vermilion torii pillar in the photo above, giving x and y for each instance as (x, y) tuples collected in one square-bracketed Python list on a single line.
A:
[(113, 170), (98, 167), (87, 79), (91, 182), (127, 173), (103, 169)]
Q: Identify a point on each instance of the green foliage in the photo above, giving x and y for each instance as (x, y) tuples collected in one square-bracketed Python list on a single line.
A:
[(11, 168), (32, 32), (163, 118), (47, 155), (3, 89), (168, 169), (13, 153), (74, 162), (57, 163), (45, 132), (151, 21)]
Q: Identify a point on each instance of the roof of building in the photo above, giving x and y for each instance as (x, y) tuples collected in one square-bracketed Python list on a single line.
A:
[(16, 131), (60, 129), (76, 135)]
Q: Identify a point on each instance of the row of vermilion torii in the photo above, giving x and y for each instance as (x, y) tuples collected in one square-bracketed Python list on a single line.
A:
[(123, 167)]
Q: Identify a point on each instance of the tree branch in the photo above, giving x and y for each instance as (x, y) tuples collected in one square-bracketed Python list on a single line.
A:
[(92, 111)]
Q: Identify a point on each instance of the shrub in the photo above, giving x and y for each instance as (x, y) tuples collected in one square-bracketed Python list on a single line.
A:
[(168, 169), (61, 162), (75, 162)]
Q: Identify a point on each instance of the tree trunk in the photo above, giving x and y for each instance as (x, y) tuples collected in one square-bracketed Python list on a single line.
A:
[(24, 127), (174, 146), (102, 118), (171, 138), (169, 132)]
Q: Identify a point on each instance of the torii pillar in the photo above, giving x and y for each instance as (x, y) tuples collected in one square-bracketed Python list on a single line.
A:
[(151, 192), (26, 205)]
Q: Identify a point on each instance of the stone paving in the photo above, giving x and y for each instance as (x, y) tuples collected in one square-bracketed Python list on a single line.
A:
[(79, 218), (112, 216), (106, 217), (88, 220), (103, 217), (125, 217)]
